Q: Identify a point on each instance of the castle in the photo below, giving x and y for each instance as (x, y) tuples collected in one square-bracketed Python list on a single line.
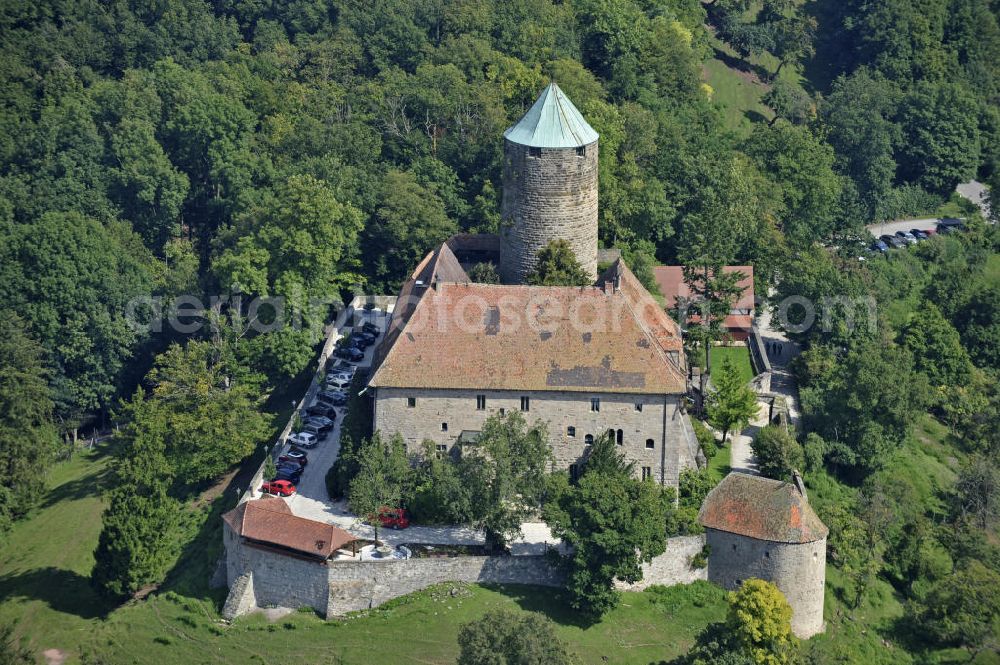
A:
[(586, 361)]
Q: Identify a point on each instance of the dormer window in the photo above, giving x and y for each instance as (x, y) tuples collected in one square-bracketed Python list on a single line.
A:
[(581, 151)]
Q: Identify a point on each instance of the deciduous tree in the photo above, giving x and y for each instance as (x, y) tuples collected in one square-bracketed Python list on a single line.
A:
[(732, 403)]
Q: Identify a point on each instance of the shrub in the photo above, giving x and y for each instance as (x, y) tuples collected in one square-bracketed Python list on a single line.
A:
[(777, 452), (511, 637), (706, 439)]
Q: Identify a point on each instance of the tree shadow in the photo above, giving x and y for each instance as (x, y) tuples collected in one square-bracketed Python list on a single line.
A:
[(62, 590), (82, 488), (756, 117), (552, 602), (193, 570), (757, 72)]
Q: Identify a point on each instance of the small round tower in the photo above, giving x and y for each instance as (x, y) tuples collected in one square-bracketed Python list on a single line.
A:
[(549, 186), (761, 528)]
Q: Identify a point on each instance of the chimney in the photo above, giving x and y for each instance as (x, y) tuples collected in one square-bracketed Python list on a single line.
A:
[(801, 486), (609, 287)]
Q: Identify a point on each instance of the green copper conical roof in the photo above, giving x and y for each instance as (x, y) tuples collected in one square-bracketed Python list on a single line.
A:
[(552, 122)]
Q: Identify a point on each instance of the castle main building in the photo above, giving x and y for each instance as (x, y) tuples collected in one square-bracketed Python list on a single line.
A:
[(584, 360)]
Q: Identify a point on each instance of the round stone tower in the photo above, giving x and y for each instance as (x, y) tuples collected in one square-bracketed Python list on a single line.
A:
[(549, 186), (761, 528)]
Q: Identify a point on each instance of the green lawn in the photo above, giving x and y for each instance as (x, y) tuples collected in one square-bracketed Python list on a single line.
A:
[(46, 561), (737, 355)]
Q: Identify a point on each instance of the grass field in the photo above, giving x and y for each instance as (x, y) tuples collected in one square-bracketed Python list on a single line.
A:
[(46, 560), (44, 588), (737, 355)]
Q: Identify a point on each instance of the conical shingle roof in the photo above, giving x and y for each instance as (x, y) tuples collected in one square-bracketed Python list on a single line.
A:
[(552, 122)]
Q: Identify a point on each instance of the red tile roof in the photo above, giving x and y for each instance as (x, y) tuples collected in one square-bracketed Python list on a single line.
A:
[(761, 508), (672, 285), (488, 336), (270, 521)]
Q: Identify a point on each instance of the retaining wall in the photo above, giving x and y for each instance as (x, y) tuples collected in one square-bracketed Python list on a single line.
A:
[(260, 577)]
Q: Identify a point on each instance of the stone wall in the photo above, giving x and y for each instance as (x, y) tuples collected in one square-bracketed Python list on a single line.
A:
[(673, 566), (362, 584), (659, 420), (261, 577), (549, 196), (798, 570)]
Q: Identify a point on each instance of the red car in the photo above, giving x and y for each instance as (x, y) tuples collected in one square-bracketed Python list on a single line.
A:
[(393, 518), (278, 487)]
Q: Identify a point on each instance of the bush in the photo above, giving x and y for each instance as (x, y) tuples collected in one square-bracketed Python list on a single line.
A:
[(777, 452), (706, 439), (501, 636)]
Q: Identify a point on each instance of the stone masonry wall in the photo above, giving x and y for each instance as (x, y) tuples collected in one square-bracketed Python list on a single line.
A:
[(545, 197), (798, 570), (659, 420), (673, 566), (363, 584), (264, 578)]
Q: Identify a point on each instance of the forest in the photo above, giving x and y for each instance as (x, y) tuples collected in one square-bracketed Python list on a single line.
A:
[(170, 152)]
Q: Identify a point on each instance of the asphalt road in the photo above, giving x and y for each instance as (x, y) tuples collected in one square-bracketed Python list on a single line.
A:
[(890, 228)]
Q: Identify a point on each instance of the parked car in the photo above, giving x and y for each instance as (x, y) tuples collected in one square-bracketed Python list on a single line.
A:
[(278, 487), (309, 428), (322, 422), (950, 225), (371, 328), (338, 384), (303, 439), (291, 472), (893, 241), (880, 246), (930, 232), (361, 341), (393, 518), (294, 456), (919, 234), (351, 353), (332, 397), (907, 237), (320, 410)]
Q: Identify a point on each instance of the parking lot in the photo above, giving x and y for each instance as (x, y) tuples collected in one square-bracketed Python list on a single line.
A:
[(312, 501)]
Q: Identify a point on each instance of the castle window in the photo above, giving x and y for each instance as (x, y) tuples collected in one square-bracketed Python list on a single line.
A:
[(444, 427), (534, 152), (647, 472), (570, 431), (767, 555), (411, 402), (503, 411), (619, 437), (734, 547), (480, 402), (525, 403), (650, 444), (611, 434), (581, 151), (638, 407), (442, 449), (595, 404), (589, 439)]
